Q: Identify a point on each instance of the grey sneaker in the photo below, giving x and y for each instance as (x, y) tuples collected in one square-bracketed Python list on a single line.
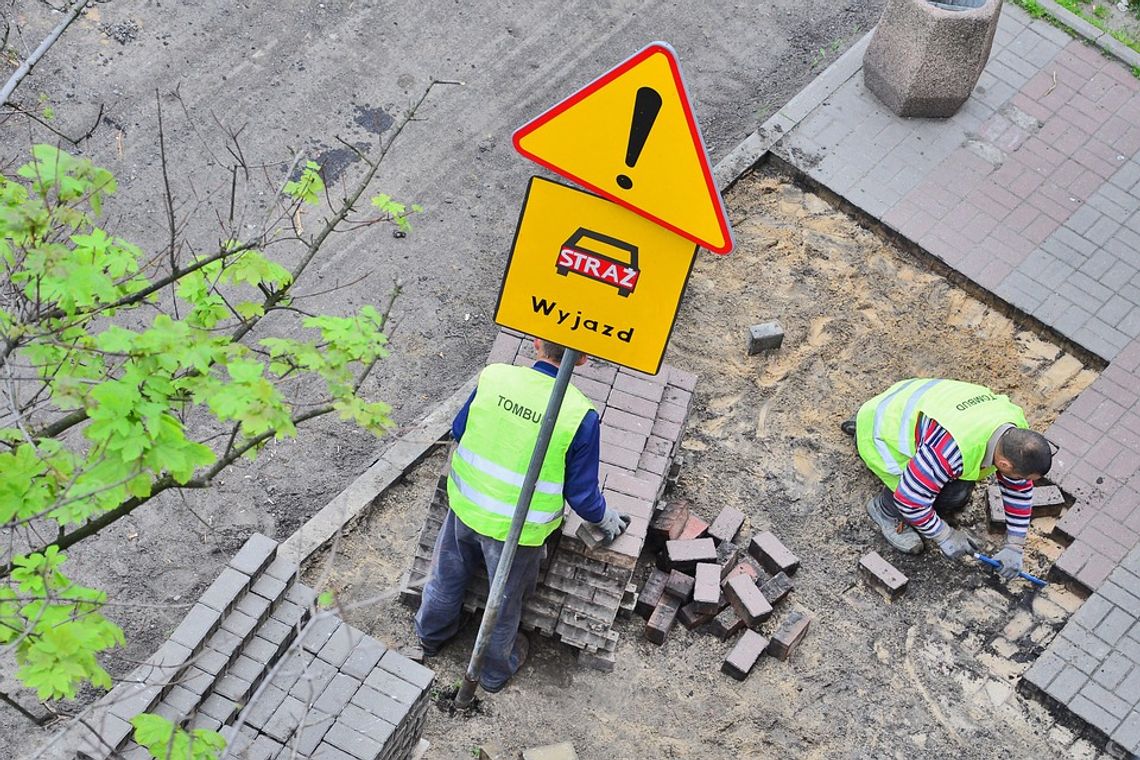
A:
[(898, 534)]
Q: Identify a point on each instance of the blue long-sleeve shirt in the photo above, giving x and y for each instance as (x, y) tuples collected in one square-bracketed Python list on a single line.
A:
[(580, 488)]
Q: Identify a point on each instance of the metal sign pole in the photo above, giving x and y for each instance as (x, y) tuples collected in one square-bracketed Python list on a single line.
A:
[(511, 543)]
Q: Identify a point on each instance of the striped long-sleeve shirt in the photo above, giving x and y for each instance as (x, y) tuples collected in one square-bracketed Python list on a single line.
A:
[(938, 460)]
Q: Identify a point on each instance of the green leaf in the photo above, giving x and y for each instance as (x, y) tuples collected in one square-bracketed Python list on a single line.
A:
[(309, 187)]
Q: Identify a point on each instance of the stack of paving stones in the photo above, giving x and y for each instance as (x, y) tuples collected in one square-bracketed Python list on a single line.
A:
[(705, 580), (583, 585), (251, 662)]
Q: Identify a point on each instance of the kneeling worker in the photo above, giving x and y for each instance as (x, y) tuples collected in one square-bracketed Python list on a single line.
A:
[(929, 441), (497, 430)]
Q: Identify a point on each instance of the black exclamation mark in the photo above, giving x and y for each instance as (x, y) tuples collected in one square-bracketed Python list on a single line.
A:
[(645, 108)]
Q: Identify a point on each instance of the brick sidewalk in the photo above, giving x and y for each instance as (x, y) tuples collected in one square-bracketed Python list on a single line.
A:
[(1032, 191)]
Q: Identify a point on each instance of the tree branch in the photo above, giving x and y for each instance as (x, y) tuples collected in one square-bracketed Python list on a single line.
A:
[(26, 67)]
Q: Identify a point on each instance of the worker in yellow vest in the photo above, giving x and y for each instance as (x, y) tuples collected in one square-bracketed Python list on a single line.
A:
[(496, 431), (929, 440)]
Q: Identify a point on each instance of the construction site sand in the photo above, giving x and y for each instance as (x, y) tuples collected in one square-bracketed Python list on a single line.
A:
[(931, 675)]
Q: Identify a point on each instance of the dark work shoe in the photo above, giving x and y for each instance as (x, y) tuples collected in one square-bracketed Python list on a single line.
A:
[(428, 649), (522, 645), (898, 534), (848, 427)]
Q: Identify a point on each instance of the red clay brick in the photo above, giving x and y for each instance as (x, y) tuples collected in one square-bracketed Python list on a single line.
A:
[(776, 588), (744, 655), (726, 555), (726, 624), (670, 522), (706, 589), (685, 554), (772, 555), (651, 592), (789, 635), (882, 576), (726, 525), (662, 619), (680, 585), (746, 599), (694, 528), (693, 615)]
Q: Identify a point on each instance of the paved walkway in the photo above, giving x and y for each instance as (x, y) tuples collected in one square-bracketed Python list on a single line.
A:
[(1032, 191)]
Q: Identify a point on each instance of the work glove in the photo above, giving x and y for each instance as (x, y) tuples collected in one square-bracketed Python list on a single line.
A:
[(612, 524), (1011, 557), (955, 543)]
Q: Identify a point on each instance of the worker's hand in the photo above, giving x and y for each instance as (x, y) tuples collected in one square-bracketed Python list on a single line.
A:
[(613, 523), (1011, 557), (955, 543)]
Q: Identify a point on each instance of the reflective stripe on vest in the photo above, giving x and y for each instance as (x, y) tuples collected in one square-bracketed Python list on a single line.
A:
[(490, 464), (885, 426)]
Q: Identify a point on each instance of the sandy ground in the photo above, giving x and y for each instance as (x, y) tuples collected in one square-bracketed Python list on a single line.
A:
[(931, 675)]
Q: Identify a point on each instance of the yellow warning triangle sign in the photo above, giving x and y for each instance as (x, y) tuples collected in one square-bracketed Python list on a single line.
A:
[(631, 136)]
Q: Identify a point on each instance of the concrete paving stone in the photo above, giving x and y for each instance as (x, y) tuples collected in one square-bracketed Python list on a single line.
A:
[(402, 667), (196, 680), (1128, 688), (232, 687), (225, 591), (257, 552), (398, 689), (363, 658), (310, 733), (1093, 713), (1110, 207), (269, 588), (1127, 176), (254, 605), (212, 661), (1115, 624), (301, 595), (339, 645), (1128, 734), (361, 720), (285, 719), (1100, 339), (311, 680), (289, 614), (380, 705), (1076, 655), (337, 694), (1113, 671), (317, 634), (198, 624), (1044, 669), (240, 624), (257, 713), (329, 752), (344, 737), (166, 661), (1066, 684)]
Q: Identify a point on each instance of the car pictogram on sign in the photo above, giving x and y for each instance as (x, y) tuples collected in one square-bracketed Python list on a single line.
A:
[(582, 253)]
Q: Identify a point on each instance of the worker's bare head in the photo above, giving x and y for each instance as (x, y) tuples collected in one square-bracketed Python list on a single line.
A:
[(1023, 454), (552, 352)]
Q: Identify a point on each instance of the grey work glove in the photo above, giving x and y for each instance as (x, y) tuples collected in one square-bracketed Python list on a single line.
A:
[(1011, 557), (613, 523), (955, 543)]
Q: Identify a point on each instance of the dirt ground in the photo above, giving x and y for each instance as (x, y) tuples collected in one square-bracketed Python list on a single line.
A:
[(931, 675)]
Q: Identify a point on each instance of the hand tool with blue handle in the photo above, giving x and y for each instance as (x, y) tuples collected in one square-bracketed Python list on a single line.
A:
[(995, 564)]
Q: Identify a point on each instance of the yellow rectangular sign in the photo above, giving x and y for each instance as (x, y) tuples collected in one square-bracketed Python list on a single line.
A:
[(593, 276)]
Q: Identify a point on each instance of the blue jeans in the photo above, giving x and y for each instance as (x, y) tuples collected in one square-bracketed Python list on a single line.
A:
[(459, 553)]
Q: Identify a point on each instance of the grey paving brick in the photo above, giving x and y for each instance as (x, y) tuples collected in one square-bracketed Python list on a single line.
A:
[(344, 737), (239, 624), (212, 661), (317, 675), (182, 699), (1129, 687), (311, 732), (198, 624), (380, 705), (247, 668), (165, 663), (340, 645), (412, 672), (285, 719), (261, 709), (290, 614), (219, 708), (269, 588), (262, 748), (396, 688), (283, 570), (224, 641), (301, 595), (1115, 624), (1044, 669), (1066, 685), (366, 723), (330, 752), (318, 633), (224, 592), (291, 667), (1077, 654), (1093, 713), (232, 687), (254, 605), (1113, 670), (254, 555), (1128, 734), (363, 658), (1110, 207), (274, 631), (261, 651), (196, 680), (337, 694)]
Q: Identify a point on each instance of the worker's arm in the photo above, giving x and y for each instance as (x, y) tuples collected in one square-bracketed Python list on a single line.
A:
[(936, 461), (1017, 498), (581, 486), (459, 424)]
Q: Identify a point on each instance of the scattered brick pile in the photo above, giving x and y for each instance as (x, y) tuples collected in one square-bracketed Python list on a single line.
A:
[(336, 693), (704, 579), (582, 585), (882, 576)]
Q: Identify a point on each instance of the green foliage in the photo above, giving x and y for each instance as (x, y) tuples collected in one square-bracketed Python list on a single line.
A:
[(165, 741), (114, 358), (396, 212), (309, 187)]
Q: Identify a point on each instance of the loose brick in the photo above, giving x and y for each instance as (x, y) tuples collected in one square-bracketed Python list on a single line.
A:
[(664, 614), (694, 614), (651, 592), (746, 569), (670, 522), (1048, 501), (694, 528), (726, 624), (685, 554), (776, 588), (726, 525), (743, 657), (727, 554), (591, 535), (680, 585), (882, 576), (772, 555), (764, 337), (995, 509), (706, 589), (789, 635), (747, 600)]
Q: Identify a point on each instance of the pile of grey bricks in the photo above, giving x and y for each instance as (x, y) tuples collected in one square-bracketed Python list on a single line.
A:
[(582, 586), (255, 661), (707, 581)]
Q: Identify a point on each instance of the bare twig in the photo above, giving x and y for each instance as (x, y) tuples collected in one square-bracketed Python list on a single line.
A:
[(26, 67), (17, 108)]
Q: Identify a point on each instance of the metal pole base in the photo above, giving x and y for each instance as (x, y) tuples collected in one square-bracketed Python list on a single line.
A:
[(466, 692)]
